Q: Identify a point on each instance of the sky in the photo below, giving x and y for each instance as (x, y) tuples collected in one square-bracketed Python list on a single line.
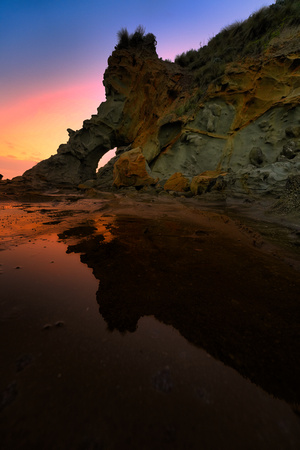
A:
[(53, 54)]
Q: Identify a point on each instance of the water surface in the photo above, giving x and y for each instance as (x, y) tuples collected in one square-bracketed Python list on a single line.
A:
[(104, 325)]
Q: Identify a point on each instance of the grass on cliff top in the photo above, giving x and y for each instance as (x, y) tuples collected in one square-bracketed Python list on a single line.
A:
[(240, 39), (138, 39)]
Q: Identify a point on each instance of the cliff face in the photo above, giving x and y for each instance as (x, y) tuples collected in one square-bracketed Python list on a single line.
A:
[(242, 136), (248, 125)]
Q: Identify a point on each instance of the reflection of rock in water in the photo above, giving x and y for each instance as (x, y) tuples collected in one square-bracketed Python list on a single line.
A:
[(162, 381), (238, 304), (79, 231), (8, 395)]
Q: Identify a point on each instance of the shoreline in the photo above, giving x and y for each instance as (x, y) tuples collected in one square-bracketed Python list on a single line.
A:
[(121, 302), (152, 230), (278, 230)]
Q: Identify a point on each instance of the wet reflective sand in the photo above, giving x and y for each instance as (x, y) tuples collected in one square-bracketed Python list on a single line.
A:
[(173, 328)]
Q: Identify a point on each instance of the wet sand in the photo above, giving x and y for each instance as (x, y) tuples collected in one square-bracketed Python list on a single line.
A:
[(147, 323)]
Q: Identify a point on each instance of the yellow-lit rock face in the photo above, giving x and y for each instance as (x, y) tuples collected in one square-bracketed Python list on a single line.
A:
[(148, 89), (177, 182), (154, 106), (131, 169), (201, 182), (255, 86), (253, 106)]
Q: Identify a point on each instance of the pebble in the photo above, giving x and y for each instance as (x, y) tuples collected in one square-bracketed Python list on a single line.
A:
[(57, 324), (23, 361), (8, 395)]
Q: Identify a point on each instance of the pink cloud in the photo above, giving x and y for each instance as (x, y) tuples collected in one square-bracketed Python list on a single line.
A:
[(42, 101), (33, 126), (11, 168)]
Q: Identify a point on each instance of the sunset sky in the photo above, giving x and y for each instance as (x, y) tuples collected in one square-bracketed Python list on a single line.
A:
[(53, 54)]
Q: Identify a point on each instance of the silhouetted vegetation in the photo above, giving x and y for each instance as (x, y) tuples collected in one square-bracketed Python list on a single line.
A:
[(240, 39), (138, 39)]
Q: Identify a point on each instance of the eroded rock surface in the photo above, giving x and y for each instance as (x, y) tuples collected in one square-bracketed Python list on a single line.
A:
[(135, 99), (131, 169), (247, 126)]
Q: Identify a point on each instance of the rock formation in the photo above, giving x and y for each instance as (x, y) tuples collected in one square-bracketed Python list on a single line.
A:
[(241, 137)]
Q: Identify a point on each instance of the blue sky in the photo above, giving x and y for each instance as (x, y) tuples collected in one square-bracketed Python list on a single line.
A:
[(53, 46)]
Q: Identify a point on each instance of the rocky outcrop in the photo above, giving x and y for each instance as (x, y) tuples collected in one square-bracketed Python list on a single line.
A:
[(245, 127), (131, 169), (178, 183), (136, 98), (290, 200), (211, 179)]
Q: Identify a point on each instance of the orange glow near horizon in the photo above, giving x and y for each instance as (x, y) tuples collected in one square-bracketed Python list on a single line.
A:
[(33, 128)]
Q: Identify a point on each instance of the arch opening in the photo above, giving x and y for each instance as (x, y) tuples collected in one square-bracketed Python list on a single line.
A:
[(106, 158)]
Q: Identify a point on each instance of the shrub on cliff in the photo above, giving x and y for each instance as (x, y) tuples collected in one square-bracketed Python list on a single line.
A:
[(123, 38), (138, 39), (240, 39)]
